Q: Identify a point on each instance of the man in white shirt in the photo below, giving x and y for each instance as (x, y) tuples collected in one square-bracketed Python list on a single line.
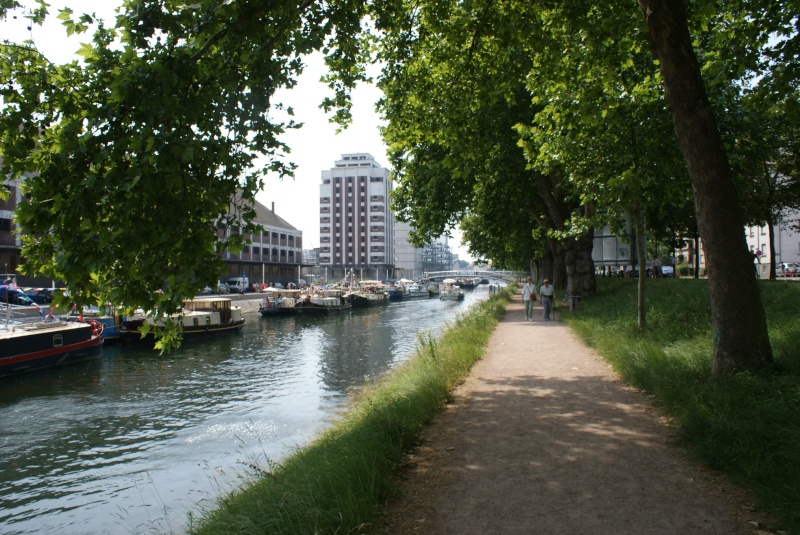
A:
[(547, 292), (529, 297)]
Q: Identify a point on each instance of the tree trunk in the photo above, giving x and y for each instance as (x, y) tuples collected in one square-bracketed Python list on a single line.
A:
[(581, 279), (641, 248), (773, 275), (738, 322)]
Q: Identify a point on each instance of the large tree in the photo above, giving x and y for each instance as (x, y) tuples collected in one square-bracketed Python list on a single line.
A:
[(739, 333), (137, 160)]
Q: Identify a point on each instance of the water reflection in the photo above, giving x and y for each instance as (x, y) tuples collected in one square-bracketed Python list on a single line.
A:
[(132, 442)]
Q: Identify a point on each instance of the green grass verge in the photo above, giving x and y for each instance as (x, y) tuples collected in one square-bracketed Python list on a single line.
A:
[(747, 426), (337, 483)]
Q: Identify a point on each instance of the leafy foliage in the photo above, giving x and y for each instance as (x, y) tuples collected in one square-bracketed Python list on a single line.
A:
[(139, 161)]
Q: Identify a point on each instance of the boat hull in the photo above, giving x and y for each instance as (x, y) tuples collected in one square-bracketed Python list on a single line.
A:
[(39, 346), (310, 309), (368, 300), (131, 332), (276, 311)]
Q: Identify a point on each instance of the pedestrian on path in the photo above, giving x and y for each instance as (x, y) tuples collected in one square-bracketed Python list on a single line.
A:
[(547, 293), (529, 297)]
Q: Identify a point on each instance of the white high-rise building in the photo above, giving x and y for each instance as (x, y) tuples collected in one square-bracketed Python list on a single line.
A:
[(355, 224)]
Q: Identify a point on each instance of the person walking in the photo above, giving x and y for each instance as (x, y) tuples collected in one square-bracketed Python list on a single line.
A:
[(547, 292), (656, 267), (529, 297)]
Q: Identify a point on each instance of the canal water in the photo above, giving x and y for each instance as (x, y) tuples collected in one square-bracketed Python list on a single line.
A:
[(135, 442)]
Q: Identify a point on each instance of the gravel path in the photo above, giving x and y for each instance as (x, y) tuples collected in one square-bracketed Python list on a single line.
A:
[(544, 438)]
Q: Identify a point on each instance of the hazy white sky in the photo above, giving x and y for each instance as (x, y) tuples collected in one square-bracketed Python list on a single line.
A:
[(314, 147)]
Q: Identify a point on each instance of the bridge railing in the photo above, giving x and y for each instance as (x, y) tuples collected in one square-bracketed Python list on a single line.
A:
[(466, 273)]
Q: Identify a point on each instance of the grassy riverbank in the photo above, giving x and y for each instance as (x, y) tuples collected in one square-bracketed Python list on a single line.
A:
[(747, 426), (336, 484)]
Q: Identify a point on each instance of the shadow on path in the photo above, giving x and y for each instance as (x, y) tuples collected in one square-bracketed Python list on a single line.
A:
[(544, 438)]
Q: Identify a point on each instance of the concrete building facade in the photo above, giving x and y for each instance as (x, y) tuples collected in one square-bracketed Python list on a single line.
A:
[(274, 254), (9, 241), (355, 223), (787, 244)]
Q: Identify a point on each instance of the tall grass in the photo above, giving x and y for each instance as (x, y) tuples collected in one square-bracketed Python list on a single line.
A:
[(336, 484), (747, 425)]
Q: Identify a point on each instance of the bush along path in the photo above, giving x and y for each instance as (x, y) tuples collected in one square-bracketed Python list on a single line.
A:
[(544, 437), (338, 482)]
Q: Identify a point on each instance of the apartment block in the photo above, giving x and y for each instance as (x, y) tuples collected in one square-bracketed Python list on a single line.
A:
[(355, 223)]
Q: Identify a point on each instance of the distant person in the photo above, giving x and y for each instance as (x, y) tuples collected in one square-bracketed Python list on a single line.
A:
[(529, 297), (656, 267), (547, 292)]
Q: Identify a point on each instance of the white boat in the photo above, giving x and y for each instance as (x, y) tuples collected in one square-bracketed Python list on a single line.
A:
[(416, 290), (201, 317), (448, 291), (279, 302), (431, 285), (319, 302)]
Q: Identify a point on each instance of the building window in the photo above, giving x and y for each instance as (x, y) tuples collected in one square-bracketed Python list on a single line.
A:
[(377, 228), (763, 231), (324, 209), (324, 200), (376, 179), (326, 219)]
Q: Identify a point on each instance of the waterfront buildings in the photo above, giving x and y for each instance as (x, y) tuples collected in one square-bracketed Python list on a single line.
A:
[(413, 262), (356, 224), (9, 241), (274, 254)]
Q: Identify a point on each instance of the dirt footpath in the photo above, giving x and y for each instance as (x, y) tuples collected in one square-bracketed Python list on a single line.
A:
[(544, 438)]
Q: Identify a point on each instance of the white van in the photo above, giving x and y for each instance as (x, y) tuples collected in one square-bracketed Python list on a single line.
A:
[(238, 285)]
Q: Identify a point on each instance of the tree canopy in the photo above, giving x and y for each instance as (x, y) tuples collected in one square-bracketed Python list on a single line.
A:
[(139, 160)]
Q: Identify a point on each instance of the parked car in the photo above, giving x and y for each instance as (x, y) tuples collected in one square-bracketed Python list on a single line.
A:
[(238, 285), (14, 296), (206, 291), (635, 272), (786, 269), (222, 288), (667, 271), (277, 285), (39, 296)]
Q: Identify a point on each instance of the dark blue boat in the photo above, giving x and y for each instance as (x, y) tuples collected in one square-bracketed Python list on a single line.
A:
[(26, 347)]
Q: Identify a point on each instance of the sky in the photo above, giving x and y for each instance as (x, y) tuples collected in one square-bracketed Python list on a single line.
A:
[(314, 148)]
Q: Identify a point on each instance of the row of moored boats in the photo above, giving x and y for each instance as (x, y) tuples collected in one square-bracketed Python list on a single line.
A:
[(33, 343), (341, 297)]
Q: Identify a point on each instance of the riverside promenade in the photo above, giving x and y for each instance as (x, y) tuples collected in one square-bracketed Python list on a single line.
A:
[(544, 438)]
